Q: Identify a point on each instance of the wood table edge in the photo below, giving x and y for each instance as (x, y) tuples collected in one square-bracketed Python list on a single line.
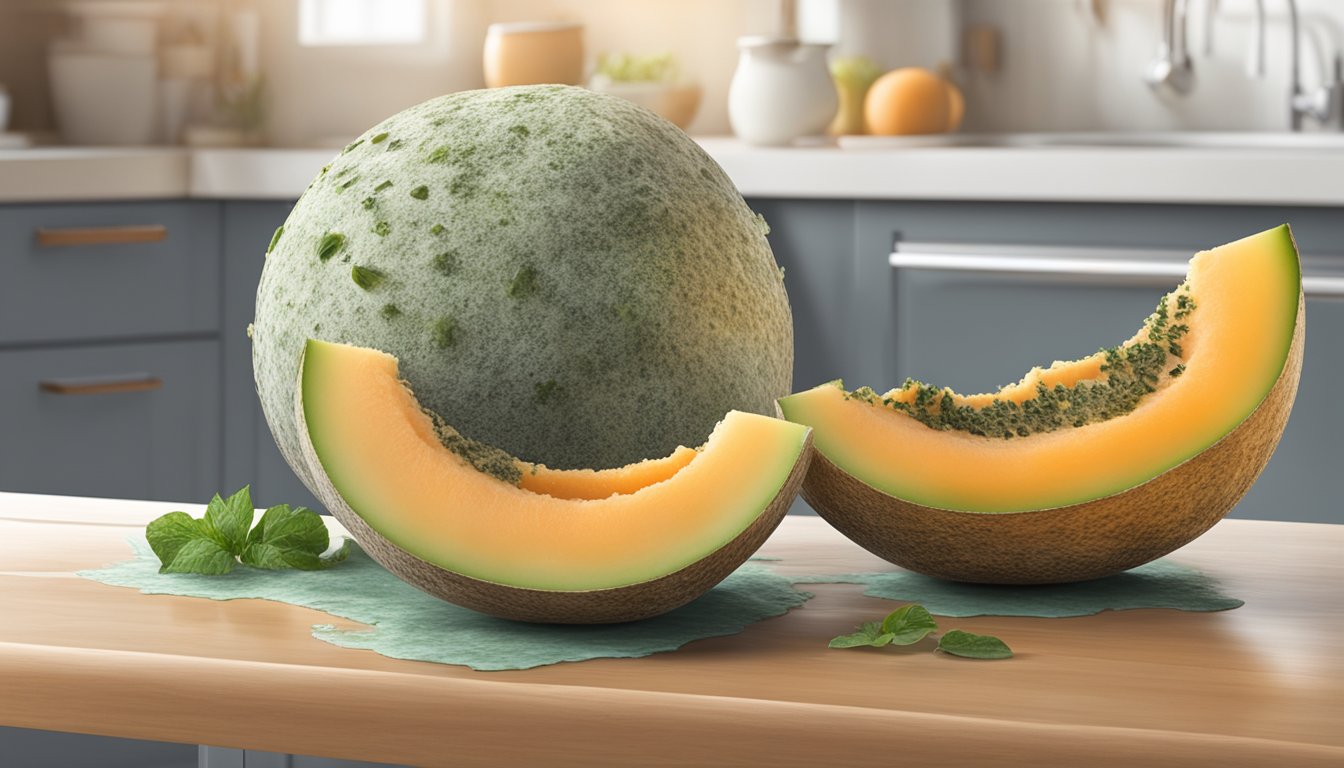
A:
[(342, 713)]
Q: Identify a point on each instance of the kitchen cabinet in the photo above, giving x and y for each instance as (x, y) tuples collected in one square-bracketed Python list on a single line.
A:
[(108, 270), (109, 366), (174, 282), (121, 420)]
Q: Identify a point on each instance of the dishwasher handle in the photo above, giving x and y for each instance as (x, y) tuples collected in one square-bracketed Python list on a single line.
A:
[(1145, 266)]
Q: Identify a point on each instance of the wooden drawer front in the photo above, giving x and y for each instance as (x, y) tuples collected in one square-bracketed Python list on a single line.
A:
[(108, 270), (120, 420)]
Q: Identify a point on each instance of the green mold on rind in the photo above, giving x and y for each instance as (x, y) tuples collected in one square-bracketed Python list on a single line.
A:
[(654, 304)]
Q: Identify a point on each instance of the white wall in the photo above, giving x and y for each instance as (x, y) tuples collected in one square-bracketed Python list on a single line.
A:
[(334, 93)]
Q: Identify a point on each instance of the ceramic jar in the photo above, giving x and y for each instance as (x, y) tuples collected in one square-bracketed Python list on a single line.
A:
[(526, 53), (782, 90)]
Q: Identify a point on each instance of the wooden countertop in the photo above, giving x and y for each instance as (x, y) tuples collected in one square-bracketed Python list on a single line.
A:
[(1259, 685)]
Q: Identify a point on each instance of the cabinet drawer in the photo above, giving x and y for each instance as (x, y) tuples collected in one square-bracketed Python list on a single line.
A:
[(117, 420), (108, 270)]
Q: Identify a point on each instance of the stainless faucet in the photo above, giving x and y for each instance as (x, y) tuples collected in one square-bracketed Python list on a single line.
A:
[(1321, 104), (1172, 69)]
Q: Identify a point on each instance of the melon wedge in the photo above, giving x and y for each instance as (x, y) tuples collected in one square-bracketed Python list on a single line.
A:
[(606, 548), (1058, 478)]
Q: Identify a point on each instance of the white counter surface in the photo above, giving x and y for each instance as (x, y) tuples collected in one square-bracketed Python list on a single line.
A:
[(1220, 175)]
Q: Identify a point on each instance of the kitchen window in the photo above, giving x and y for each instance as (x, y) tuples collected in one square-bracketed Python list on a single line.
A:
[(361, 22)]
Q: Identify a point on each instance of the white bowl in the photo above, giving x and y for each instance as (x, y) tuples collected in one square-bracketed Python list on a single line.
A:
[(103, 99)]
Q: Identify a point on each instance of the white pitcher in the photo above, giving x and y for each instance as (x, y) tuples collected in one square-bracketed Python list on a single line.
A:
[(782, 90)]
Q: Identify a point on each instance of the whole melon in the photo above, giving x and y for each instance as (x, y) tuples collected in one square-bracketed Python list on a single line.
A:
[(562, 274)]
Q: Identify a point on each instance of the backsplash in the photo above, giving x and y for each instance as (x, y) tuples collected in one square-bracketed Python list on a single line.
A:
[(1064, 69), (1063, 66)]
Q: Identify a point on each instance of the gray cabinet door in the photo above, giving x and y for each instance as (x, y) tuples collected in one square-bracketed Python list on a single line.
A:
[(137, 421), (108, 270), (250, 454), (976, 331)]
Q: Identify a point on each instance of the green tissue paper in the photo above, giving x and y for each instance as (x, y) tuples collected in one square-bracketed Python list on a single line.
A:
[(406, 623), (1159, 584)]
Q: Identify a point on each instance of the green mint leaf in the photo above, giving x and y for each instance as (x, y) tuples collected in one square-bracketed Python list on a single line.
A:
[(167, 535), (909, 624), (972, 646), (271, 557), (203, 555), (288, 528), (227, 520), (870, 634), (291, 538)]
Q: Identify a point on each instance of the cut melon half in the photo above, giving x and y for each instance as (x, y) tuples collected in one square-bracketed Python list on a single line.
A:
[(476, 527), (1084, 468)]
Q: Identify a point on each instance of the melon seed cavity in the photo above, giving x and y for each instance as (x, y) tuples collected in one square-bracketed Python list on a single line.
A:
[(484, 458), (1132, 371)]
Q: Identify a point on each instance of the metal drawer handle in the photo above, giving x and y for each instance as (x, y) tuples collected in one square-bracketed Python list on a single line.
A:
[(103, 385), (1100, 262), (146, 233)]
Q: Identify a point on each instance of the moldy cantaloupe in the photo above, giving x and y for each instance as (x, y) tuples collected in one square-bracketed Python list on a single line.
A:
[(1085, 468), (472, 525), (562, 273)]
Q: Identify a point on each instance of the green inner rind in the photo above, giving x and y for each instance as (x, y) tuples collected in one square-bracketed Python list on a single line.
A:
[(848, 457), (360, 493)]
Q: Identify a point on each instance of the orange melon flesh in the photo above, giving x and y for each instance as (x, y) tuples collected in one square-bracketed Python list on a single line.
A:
[(1246, 297), (601, 483), (382, 455)]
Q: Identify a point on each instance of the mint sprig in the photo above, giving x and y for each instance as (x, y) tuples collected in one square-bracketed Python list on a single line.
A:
[(212, 545), (291, 538), (973, 646), (909, 624), (869, 634), (904, 626)]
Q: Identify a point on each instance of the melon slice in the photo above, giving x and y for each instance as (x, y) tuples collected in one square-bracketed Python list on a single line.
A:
[(450, 517), (1085, 468)]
